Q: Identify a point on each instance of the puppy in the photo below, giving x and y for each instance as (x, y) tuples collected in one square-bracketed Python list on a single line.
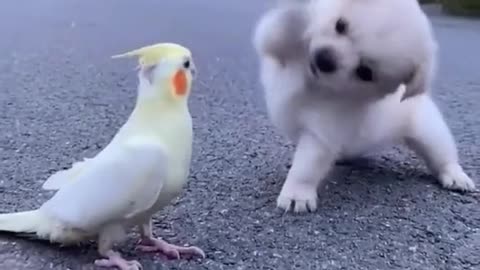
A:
[(344, 77)]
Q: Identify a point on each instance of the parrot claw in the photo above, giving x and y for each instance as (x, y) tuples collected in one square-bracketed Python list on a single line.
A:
[(115, 260), (170, 250)]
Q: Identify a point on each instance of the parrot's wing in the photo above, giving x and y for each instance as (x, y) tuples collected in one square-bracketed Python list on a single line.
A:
[(62, 177), (124, 183)]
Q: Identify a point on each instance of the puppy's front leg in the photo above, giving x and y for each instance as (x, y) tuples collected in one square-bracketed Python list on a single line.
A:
[(430, 137), (311, 164)]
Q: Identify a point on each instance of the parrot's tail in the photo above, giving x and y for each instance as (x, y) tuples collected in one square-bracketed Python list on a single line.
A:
[(23, 222), (36, 224)]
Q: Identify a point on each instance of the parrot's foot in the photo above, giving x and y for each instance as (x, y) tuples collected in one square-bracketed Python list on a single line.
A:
[(170, 250), (116, 260)]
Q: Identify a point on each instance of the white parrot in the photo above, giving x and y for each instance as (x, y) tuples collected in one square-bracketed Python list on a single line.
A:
[(144, 167)]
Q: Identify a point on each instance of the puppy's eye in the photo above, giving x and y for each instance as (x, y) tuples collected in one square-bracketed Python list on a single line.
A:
[(364, 73), (186, 64), (341, 26)]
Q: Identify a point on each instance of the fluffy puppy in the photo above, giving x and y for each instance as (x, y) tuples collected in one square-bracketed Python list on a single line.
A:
[(344, 77)]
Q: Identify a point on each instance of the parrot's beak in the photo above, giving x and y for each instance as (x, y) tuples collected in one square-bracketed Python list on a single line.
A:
[(193, 70)]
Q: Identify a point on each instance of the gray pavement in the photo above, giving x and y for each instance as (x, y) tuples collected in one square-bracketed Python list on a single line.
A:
[(63, 98)]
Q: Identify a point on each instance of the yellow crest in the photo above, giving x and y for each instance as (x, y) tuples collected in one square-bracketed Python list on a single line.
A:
[(150, 55)]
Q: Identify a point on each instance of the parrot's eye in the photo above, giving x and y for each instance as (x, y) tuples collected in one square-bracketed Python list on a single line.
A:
[(186, 64)]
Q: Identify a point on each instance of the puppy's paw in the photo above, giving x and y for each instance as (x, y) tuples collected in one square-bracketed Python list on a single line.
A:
[(453, 177), (299, 197)]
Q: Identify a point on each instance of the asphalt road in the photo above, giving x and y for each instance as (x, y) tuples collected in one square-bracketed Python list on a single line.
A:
[(63, 98)]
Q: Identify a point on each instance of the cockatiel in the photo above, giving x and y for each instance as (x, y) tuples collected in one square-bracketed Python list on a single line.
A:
[(144, 167)]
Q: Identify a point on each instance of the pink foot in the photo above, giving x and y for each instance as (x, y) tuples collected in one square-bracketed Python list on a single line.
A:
[(171, 251), (116, 260)]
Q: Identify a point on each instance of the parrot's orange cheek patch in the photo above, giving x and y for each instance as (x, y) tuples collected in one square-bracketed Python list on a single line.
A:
[(180, 83)]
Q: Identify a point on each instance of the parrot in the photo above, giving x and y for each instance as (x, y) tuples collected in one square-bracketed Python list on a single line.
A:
[(143, 168)]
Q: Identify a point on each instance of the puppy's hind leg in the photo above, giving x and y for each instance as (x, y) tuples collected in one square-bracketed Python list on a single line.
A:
[(311, 164), (430, 137)]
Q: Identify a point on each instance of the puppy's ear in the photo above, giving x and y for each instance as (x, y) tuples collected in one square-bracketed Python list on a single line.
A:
[(279, 32), (420, 79), (292, 1)]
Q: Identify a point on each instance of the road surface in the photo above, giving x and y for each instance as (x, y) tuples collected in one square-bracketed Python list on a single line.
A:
[(62, 98)]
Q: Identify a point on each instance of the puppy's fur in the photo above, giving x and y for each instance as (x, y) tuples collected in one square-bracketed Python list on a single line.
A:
[(344, 77)]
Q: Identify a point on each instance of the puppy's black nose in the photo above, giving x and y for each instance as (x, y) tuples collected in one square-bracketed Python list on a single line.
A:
[(325, 60)]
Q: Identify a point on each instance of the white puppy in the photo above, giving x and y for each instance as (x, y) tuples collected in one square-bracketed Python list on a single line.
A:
[(343, 77)]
